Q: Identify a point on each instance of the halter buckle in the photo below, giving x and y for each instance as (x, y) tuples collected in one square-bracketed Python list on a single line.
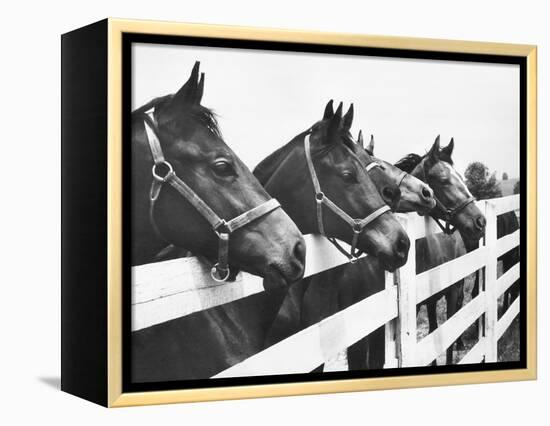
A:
[(214, 273), (155, 171)]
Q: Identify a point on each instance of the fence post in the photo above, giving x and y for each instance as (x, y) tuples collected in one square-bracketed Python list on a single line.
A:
[(490, 281), (391, 360), (406, 299)]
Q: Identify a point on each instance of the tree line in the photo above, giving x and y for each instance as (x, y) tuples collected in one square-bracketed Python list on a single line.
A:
[(483, 184)]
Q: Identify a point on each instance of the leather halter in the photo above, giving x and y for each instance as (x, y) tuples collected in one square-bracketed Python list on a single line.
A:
[(449, 215), (222, 228), (357, 225), (445, 222), (402, 177)]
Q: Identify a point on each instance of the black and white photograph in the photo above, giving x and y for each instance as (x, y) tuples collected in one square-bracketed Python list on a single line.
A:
[(278, 213), (320, 214)]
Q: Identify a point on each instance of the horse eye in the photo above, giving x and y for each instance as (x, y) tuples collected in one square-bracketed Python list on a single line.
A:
[(349, 177), (223, 168)]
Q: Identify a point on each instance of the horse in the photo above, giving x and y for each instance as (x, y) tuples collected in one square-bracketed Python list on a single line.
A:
[(189, 189), (319, 299), (455, 210), (188, 186), (273, 173), (334, 187), (416, 196), (205, 343), (369, 278)]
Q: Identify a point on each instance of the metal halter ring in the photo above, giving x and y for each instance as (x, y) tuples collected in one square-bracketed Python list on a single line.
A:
[(167, 175), (222, 228), (214, 273), (357, 228), (319, 197)]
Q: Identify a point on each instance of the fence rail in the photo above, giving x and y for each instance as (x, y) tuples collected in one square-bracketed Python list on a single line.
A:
[(175, 288), (172, 289)]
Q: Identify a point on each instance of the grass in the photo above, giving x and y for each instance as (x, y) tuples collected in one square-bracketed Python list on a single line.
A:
[(508, 345)]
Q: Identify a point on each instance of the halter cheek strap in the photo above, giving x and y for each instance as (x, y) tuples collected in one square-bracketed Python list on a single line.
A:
[(357, 225), (402, 178), (223, 229), (371, 166)]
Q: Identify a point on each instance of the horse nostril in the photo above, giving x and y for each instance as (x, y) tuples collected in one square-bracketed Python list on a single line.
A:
[(388, 195), (480, 222), (426, 193), (300, 253), (402, 247)]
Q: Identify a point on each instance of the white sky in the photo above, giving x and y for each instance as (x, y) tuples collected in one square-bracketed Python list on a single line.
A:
[(263, 99)]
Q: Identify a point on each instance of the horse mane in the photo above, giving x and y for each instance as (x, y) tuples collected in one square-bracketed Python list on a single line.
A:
[(410, 161), (154, 103), (201, 114), (265, 169)]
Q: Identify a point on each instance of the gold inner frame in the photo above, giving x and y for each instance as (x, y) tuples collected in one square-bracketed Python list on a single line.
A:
[(116, 28)]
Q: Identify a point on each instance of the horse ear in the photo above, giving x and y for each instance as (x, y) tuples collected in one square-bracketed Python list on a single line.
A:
[(360, 140), (448, 150), (329, 111), (434, 150), (348, 118), (188, 92), (200, 90), (333, 131), (370, 147)]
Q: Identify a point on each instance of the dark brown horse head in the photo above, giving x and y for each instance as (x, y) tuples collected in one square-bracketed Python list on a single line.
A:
[(270, 246), (343, 179), (454, 200), (416, 196), (387, 187)]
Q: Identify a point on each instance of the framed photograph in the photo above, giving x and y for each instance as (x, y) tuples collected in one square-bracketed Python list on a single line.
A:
[(254, 212)]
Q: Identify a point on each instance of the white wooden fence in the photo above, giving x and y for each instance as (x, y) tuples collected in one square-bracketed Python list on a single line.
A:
[(167, 290)]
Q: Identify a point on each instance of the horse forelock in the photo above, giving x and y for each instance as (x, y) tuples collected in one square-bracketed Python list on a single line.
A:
[(199, 114)]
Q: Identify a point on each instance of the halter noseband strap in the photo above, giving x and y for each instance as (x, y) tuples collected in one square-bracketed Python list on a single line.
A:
[(357, 225), (449, 214), (223, 229)]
